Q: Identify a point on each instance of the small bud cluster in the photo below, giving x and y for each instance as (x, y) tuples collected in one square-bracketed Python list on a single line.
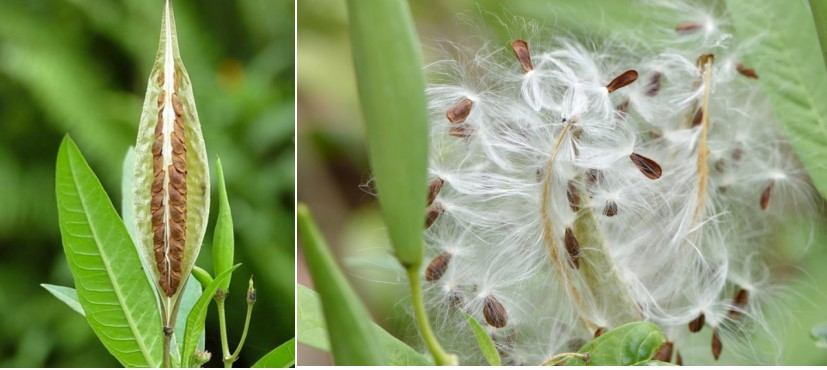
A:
[(575, 188)]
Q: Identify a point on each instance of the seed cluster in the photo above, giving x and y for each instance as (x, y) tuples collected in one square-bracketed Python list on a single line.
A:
[(169, 193), (574, 189)]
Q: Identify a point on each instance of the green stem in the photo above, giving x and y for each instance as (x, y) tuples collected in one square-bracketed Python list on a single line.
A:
[(222, 326), (440, 356), (243, 336)]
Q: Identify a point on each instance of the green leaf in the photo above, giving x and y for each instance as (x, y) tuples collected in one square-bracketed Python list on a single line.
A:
[(312, 332), (67, 295), (819, 333), (198, 316), (223, 245), (352, 340), (819, 10), (119, 302), (486, 344), (791, 70), (282, 356), (392, 93), (630, 344)]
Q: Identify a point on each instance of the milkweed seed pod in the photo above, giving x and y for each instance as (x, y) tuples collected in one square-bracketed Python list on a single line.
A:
[(602, 183), (171, 182)]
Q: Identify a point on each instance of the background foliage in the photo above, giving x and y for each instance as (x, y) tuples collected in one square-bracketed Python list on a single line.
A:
[(81, 66), (333, 166)]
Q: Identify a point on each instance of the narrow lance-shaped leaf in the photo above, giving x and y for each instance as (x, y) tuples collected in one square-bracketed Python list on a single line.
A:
[(786, 56), (118, 300), (171, 182), (281, 356), (392, 93), (198, 316), (489, 351), (352, 341), (223, 245), (66, 295), (312, 331)]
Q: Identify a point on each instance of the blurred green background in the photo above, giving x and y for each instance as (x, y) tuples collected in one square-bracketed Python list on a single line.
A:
[(333, 172), (81, 67)]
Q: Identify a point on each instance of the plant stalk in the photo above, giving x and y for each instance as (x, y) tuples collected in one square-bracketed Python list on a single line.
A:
[(220, 297), (229, 361), (441, 357)]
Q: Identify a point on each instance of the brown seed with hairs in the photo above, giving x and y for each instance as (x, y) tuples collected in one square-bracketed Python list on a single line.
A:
[(697, 324), (739, 303), (748, 72), (494, 312), (437, 267), (664, 353), (698, 118), (622, 80), (463, 131), (688, 27), (717, 346), (460, 111), (432, 214), (523, 55), (654, 84), (610, 209), (623, 107), (600, 331), (647, 167), (678, 358), (594, 176), (433, 189), (574, 196), (573, 248), (765, 196)]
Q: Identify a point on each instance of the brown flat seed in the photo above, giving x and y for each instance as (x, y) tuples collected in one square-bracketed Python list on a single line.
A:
[(433, 189), (739, 303), (736, 154), (523, 55), (574, 196), (610, 209), (699, 117), (697, 324), (464, 131), (655, 134), (432, 214), (748, 72), (494, 312), (594, 176), (623, 107), (573, 248), (437, 267), (717, 346), (647, 167), (600, 331), (765, 196), (664, 353), (678, 358), (654, 84), (460, 111), (688, 27), (622, 80)]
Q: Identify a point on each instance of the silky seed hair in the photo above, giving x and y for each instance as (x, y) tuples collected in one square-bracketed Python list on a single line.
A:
[(544, 178)]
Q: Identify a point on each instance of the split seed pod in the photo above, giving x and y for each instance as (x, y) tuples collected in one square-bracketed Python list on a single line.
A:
[(171, 180)]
